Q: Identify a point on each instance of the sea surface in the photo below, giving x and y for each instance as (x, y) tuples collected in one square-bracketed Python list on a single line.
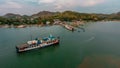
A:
[(94, 45)]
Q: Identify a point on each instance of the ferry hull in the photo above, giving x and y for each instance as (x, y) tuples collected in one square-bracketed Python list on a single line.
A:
[(39, 46)]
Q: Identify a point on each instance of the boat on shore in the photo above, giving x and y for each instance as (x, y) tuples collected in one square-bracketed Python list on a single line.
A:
[(69, 27), (38, 43), (21, 26)]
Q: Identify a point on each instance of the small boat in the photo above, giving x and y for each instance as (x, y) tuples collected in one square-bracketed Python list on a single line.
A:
[(69, 27), (38, 43), (21, 26)]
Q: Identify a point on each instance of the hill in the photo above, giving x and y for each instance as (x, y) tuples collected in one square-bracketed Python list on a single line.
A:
[(44, 16)]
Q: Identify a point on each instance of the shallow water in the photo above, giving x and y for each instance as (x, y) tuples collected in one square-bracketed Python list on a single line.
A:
[(98, 44)]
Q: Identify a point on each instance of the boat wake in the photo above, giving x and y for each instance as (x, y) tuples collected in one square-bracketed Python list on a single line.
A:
[(90, 39)]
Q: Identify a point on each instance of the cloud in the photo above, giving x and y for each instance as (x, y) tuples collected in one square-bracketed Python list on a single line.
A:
[(87, 3), (32, 6), (10, 4), (30, 0), (63, 4), (60, 4), (46, 1), (76, 3)]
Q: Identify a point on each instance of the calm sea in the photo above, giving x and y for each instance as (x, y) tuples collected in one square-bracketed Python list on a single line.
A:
[(94, 45)]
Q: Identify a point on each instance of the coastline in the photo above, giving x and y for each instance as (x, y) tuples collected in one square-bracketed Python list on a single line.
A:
[(18, 26), (41, 25)]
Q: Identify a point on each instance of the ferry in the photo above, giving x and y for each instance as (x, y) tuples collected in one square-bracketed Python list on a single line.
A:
[(38, 43)]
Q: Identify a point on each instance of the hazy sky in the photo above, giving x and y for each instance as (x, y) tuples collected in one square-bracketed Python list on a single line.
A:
[(33, 6)]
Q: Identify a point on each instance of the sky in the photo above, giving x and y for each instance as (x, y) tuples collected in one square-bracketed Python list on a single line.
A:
[(30, 7)]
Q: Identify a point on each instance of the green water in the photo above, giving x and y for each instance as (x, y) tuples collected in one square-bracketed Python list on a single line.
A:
[(97, 46)]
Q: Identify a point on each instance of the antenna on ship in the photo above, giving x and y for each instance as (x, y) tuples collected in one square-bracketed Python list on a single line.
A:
[(50, 35)]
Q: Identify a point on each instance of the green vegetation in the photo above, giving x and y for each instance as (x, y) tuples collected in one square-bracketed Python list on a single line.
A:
[(43, 17)]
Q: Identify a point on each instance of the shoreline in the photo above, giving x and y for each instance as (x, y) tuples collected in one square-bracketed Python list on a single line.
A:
[(19, 26), (38, 25)]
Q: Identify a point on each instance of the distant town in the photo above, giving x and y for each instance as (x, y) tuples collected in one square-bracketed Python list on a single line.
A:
[(51, 18)]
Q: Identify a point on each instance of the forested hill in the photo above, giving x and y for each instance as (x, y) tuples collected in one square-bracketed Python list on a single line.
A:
[(43, 16)]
